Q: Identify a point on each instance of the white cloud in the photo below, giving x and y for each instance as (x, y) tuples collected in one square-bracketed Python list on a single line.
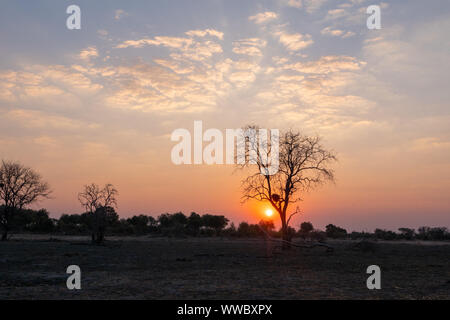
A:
[(250, 46), (171, 42), (295, 3), (337, 32), (203, 33), (294, 41), (88, 53), (327, 64), (263, 17)]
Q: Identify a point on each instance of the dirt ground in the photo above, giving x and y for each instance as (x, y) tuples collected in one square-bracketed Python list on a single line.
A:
[(214, 268)]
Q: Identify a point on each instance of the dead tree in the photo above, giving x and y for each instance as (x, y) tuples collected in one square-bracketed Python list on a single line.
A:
[(303, 165)]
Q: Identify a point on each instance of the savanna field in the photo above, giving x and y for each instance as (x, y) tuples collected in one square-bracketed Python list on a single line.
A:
[(34, 267)]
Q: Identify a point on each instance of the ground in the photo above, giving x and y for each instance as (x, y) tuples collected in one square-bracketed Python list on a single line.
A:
[(215, 268)]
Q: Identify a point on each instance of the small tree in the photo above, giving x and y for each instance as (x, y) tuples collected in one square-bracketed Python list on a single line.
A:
[(267, 225), (194, 223), (305, 229), (335, 232), (407, 233), (102, 218), (20, 187), (218, 223), (99, 204)]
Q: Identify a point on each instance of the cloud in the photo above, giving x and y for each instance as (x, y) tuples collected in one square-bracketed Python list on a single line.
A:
[(102, 32), (327, 64), (312, 6), (251, 51), (263, 17), (250, 46), (337, 33), (50, 84), (295, 3), (119, 14), (170, 42), (294, 41), (204, 33), (429, 143), (88, 53), (175, 66), (336, 13), (187, 48), (38, 119)]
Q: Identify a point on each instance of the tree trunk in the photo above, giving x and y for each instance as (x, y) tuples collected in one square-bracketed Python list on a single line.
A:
[(100, 237), (5, 235), (287, 239)]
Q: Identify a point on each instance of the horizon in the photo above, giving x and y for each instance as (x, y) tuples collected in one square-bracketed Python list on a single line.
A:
[(99, 104)]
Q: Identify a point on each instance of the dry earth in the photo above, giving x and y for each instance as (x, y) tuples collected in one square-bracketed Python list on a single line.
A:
[(214, 268)]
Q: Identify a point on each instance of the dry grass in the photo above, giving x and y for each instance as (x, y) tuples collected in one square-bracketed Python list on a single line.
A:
[(144, 268)]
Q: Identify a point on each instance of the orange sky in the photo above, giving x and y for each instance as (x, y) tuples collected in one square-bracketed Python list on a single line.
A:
[(99, 104)]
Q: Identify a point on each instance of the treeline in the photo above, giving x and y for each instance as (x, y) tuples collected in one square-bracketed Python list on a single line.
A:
[(207, 225), (422, 233)]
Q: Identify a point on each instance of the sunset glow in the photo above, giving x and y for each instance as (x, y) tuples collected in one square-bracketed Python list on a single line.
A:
[(99, 104), (269, 212)]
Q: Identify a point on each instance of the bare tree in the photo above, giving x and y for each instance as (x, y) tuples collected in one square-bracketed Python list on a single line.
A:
[(20, 186), (100, 204), (303, 164)]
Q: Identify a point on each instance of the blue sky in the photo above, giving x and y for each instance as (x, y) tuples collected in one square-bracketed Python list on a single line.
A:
[(98, 104)]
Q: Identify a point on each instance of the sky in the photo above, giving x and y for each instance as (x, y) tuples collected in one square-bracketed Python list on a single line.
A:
[(99, 104)]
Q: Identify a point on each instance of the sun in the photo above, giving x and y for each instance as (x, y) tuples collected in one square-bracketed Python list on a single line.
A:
[(269, 212)]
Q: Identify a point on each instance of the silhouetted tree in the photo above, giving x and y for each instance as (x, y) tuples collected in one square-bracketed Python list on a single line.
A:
[(437, 233), (305, 229), (243, 229), (361, 235), (73, 224), (318, 235), (173, 224), (267, 225), (385, 234), (20, 187), (179, 219), (335, 232), (102, 218), (194, 223), (142, 224), (303, 164), (100, 204), (38, 221), (218, 223), (28, 220), (231, 230), (407, 233)]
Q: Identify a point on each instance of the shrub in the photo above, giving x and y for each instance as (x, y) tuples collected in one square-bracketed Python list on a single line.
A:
[(335, 232)]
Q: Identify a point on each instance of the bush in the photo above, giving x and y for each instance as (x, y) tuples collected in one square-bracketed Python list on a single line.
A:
[(437, 233), (406, 233), (335, 232), (385, 234), (317, 235), (27, 220), (73, 224), (361, 235), (305, 229)]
